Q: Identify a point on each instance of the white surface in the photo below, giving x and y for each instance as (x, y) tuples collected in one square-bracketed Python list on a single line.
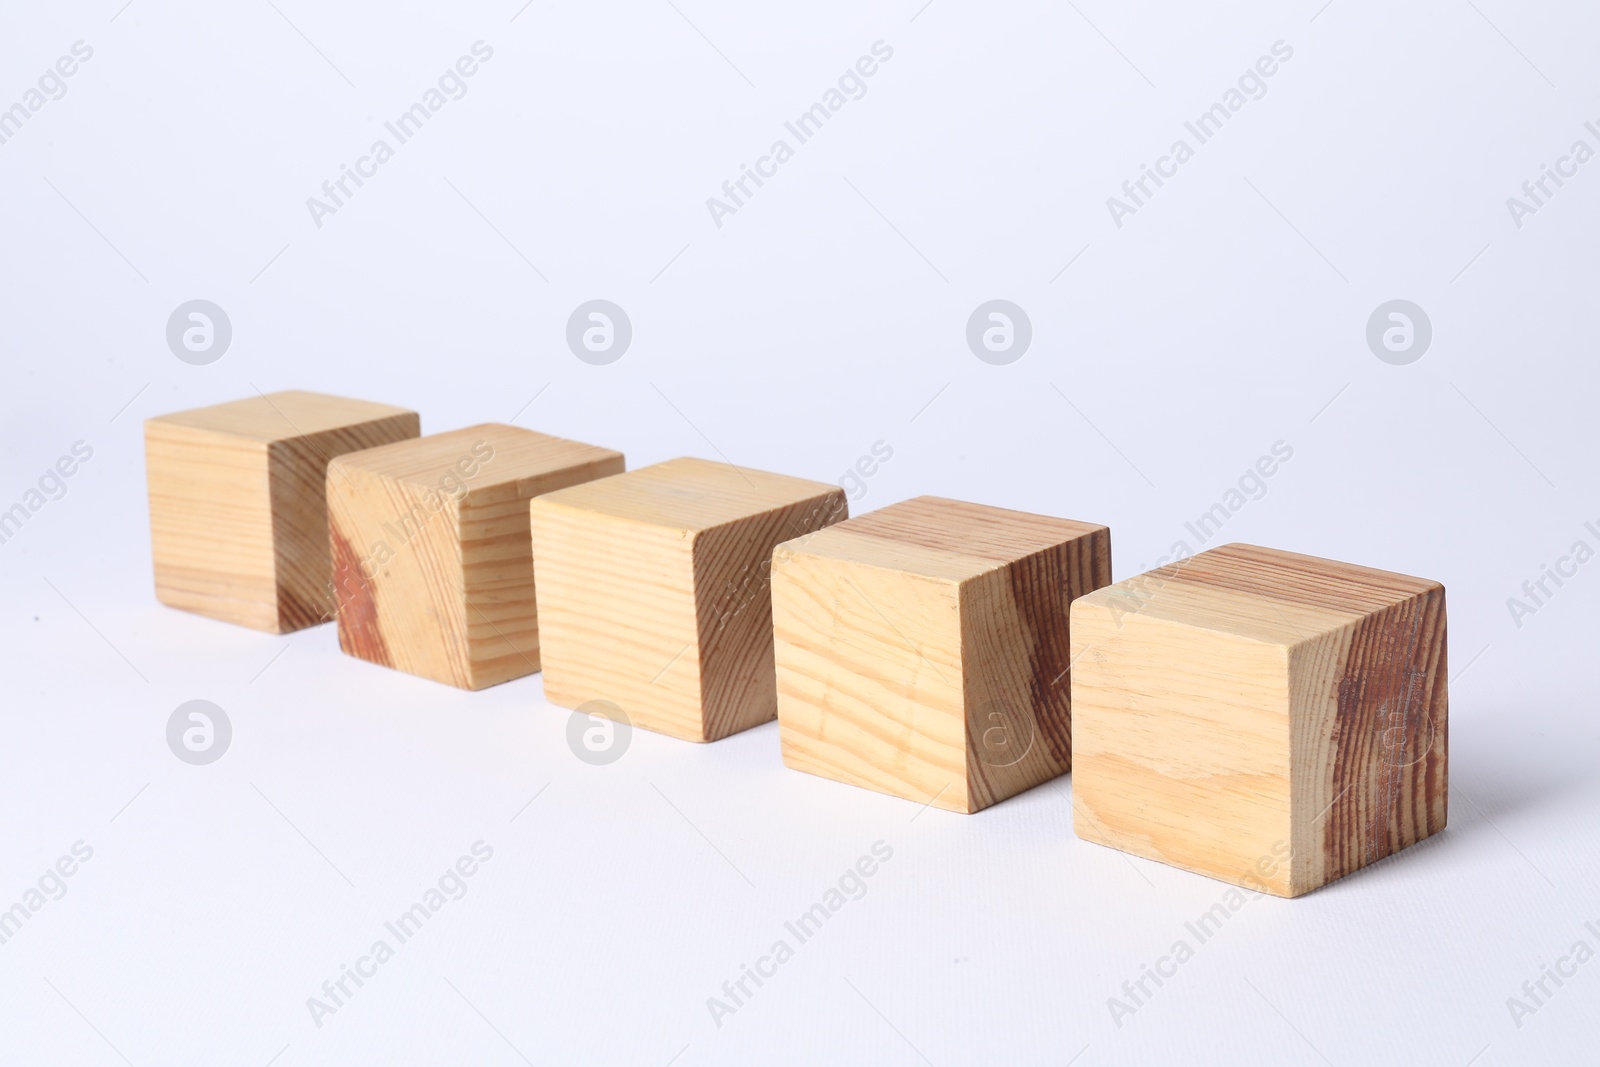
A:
[(804, 330)]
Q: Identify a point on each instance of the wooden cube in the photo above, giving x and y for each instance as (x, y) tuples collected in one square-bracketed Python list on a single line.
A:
[(1270, 719), (432, 561), (922, 649), (238, 521), (653, 591)]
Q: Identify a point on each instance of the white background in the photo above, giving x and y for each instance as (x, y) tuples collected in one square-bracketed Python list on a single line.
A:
[(826, 315)]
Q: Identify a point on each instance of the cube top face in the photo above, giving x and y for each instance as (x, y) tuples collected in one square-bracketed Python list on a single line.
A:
[(951, 540), (653, 591), (432, 551), (1266, 718), (476, 463), (922, 650), (281, 416), (1307, 594), (238, 519), (692, 495)]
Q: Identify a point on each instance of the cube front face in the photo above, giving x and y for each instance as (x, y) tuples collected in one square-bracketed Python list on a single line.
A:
[(499, 613), (653, 591), (237, 512), (1272, 720), (870, 677), (1189, 763), (397, 575), (617, 602), (432, 550), (922, 650), (211, 525)]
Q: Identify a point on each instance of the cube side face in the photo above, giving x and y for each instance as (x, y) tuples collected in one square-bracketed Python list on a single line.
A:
[(297, 472), (1181, 745), (211, 524), (616, 610), (397, 574), (1371, 739), (498, 575), (869, 678), (1016, 656), (733, 599)]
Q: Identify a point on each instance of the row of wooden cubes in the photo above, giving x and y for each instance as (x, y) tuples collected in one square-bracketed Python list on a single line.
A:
[(1270, 719)]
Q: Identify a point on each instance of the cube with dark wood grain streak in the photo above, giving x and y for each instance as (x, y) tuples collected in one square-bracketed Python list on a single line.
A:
[(1269, 719), (922, 649), (433, 563)]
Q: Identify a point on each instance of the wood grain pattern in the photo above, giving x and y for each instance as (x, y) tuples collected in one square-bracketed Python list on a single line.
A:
[(238, 518), (1267, 718), (653, 591), (433, 560), (922, 649)]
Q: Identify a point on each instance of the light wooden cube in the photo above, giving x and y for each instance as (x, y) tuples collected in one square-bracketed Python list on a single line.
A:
[(653, 591), (238, 521), (922, 649), (433, 565), (1269, 719)]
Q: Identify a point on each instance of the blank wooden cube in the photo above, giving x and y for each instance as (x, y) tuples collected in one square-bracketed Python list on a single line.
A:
[(653, 591), (238, 522), (1270, 719), (432, 560), (922, 649)]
